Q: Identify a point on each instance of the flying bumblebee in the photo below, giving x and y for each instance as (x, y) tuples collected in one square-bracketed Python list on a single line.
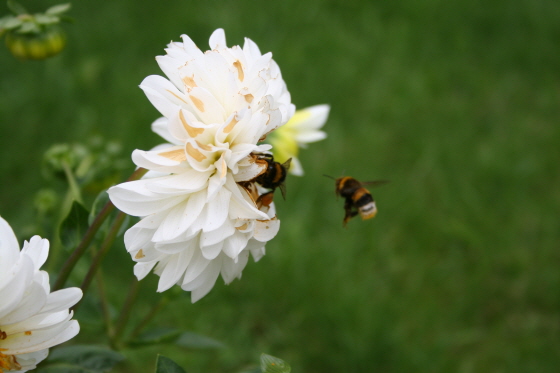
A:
[(274, 175), (358, 200)]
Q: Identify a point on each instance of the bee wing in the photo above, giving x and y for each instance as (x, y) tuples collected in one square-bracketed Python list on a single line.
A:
[(375, 183), (283, 190)]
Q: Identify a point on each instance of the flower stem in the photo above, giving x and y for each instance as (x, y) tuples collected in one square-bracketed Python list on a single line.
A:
[(104, 303), (88, 237), (125, 313), (149, 316), (105, 246)]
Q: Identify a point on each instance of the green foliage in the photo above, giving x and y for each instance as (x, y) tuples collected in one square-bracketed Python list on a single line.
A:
[(16, 7), (57, 10), (74, 226), (456, 103), (81, 359), (34, 36), (271, 364), (197, 341), (166, 365), (156, 336)]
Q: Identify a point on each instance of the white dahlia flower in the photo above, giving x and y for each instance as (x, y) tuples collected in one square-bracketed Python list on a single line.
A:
[(202, 214), (32, 319), (301, 129)]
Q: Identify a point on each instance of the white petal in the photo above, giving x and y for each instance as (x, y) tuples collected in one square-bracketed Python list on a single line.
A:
[(180, 219), (62, 299), (44, 338), (257, 249), (197, 266), (135, 199), (161, 127), (232, 269), (163, 95), (174, 270), (210, 252), (170, 67), (34, 299), (217, 210), (205, 282), (218, 39), (235, 244), (151, 160), (30, 360), (19, 277), (37, 249), (142, 269), (295, 167), (310, 136), (9, 247), (266, 230)]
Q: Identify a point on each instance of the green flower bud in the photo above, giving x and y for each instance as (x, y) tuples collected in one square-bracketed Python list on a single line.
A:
[(36, 46)]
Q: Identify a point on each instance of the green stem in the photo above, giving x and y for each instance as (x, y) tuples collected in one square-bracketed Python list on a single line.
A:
[(104, 304), (105, 246), (149, 316), (125, 313), (88, 237)]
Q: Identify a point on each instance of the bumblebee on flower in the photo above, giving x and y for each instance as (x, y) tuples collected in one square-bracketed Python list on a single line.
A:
[(199, 220)]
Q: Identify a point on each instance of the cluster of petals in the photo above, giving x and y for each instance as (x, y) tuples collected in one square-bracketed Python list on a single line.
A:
[(201, 215), (303, 128), (32, 319)]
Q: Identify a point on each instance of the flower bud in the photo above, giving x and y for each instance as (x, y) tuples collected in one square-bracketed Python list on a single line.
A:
[(36, 46)]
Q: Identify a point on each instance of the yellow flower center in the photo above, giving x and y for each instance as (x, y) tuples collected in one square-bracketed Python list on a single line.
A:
[(8, 362)]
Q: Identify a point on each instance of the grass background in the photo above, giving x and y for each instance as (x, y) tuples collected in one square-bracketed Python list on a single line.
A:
[(455, 102)]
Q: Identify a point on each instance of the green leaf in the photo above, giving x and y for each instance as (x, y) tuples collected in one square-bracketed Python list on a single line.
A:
[(81, 359), (16, 7), (9, 22), (192, 340), (28, 27), (271, 364), (58, 9), (156, 336), (46, 19), (166, 365), (74, 226)]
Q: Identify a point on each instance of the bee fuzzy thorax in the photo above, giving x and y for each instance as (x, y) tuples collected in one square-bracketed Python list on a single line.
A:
[(275, 173)]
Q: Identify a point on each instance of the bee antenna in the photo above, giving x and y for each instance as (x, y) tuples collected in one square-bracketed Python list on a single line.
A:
[(330, 177)]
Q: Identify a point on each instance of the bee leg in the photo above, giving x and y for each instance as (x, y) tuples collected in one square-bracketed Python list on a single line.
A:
[(349, 210)]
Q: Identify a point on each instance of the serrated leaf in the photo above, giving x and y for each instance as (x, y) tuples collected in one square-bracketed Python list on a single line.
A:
[(156, 336), (193, 340), (166, 365), (16, 7), (58, 9), (46, 19), (81, 359), (271, 364), (9, 22), (74, 226)]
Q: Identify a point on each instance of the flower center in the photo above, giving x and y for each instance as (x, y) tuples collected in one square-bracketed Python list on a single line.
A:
[(8, 362)]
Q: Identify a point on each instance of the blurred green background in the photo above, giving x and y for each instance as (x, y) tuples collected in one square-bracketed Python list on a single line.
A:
[(455, 102)]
